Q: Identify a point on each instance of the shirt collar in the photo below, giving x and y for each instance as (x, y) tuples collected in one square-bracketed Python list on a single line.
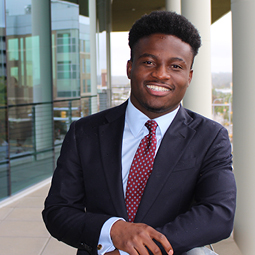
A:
[(136, 124)]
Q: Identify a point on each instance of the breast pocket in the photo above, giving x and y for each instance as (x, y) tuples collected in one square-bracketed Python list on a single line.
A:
[(185, 164)]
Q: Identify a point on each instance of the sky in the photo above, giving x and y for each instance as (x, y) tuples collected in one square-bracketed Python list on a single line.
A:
[(221, 48), (221, 45)]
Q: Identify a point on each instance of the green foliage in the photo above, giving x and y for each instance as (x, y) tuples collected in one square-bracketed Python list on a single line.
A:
[(224, 100)]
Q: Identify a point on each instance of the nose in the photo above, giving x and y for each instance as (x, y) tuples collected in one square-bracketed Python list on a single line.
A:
[(161, 73)]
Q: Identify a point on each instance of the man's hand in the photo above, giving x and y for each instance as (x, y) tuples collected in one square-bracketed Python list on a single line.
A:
[(133, 238)]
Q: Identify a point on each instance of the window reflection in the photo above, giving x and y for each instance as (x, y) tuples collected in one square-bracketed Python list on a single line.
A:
[(46, 74), (4, 189)]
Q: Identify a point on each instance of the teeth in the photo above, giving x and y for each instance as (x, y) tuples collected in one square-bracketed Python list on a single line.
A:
[(157, 88)]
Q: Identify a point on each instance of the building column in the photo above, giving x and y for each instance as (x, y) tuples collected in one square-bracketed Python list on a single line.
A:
[(243, 20), (173, 5), (108, 49), (93, 55), (198, 97), (42, 74)]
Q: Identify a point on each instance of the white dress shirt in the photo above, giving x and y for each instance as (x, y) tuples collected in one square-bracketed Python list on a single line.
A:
[(134, 131)]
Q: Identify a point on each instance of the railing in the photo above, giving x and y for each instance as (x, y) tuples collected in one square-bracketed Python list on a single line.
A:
[(36, 128), (32, 135)]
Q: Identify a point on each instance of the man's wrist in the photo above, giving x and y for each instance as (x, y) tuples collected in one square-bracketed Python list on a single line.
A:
[(105, 243)]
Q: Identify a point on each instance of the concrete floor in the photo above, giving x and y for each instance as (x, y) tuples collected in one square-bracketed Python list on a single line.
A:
[(22, 231)]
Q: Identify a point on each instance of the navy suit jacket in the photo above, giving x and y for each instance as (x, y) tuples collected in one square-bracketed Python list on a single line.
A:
[(189, 197)]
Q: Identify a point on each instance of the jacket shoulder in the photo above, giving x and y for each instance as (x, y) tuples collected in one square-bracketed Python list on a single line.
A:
[(199, 121)]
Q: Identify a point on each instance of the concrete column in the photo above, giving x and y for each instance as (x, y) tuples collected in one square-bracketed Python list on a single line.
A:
[(198, 97), (243, 20), (93, 55), (42, 74), (108, 49), (173, 5)]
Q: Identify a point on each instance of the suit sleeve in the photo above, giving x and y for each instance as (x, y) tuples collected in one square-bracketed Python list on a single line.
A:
[(65, 212), (210, 218)]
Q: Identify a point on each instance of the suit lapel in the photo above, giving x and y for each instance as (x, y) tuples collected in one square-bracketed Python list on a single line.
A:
[(111, 146), (173, 145)]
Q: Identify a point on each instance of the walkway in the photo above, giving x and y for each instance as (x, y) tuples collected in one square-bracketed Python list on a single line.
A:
[(22, 231)]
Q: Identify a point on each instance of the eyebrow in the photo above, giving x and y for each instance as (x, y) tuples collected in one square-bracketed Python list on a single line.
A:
[(155, 57)]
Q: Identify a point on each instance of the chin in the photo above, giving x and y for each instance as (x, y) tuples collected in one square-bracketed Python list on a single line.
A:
[(155, 109)]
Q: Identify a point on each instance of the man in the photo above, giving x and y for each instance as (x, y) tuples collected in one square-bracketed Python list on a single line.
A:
[(188, 199)]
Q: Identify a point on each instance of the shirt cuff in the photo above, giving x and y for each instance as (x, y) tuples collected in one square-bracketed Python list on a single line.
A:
[(105, 242), (123, 252)]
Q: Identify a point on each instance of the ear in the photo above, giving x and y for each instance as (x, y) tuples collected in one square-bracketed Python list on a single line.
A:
[(190, 75), (129, 69)]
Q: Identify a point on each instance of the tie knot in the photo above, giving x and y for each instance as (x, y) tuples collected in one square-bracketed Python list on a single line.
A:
[(151, 125)]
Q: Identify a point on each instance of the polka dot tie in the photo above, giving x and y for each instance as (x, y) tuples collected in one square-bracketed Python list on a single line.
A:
[(141, 169)]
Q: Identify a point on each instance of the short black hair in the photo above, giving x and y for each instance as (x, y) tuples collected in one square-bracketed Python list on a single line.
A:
[(165, 22)]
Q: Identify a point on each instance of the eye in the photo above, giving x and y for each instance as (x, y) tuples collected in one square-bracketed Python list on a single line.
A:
[(148, 62), (176, 66)]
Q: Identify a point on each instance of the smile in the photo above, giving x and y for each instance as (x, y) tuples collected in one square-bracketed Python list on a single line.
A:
[(157, 88)]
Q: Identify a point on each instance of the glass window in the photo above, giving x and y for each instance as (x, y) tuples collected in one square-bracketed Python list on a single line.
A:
[(82, 46), (32, 74), (87, 45), (29, 87), (83, 65), (3, 140), (13, 49), (88, 66), (63, 43), (88, 85), (84, 85), (4, 173), (22, 67)]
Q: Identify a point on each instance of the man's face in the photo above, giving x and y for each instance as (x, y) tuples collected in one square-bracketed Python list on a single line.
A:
[(160, 73)]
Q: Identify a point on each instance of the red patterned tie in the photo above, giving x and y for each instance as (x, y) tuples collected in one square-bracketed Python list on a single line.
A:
[(141, 169)]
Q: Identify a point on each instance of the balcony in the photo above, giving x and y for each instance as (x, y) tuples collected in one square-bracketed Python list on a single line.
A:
[(23, 231)]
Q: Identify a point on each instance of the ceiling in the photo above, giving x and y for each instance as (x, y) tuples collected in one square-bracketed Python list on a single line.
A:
[(126, 12)]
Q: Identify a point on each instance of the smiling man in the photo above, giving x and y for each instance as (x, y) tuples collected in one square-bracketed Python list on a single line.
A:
[(160, 72), (147, 176)]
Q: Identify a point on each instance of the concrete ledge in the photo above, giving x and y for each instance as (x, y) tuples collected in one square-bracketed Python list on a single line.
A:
[(24, 193), (227, 247)]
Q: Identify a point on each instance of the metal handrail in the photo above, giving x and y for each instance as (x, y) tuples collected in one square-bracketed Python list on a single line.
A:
[(35, 152), (49, 102)]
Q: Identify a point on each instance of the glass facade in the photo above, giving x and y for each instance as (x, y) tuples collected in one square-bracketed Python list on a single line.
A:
[(47, 80), (4, 165)]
